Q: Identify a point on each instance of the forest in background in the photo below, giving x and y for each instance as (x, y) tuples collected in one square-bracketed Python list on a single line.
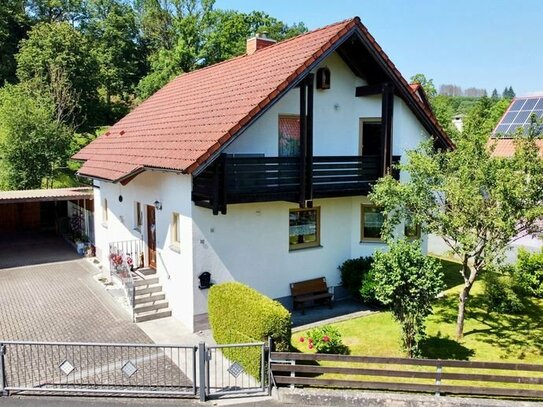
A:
[(71, 68)]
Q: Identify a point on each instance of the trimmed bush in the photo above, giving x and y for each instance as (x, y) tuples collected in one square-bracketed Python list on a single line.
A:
[(501, 292), (528, 273), (240, 314), (355, 278)]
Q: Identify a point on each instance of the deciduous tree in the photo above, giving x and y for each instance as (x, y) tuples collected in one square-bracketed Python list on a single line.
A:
[(33, 140), (476, 202), (58, 47)]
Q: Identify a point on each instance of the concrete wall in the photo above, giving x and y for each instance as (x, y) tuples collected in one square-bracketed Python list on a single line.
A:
[(173, 191)]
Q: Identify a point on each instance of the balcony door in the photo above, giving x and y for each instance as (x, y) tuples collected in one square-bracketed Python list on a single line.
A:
[(371, 137)]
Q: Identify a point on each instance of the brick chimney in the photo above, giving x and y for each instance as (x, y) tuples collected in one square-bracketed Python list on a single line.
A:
[(257, 42)]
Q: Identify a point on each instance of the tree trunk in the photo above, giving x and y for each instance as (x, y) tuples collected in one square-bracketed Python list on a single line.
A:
[(463, 297), (469, 277)]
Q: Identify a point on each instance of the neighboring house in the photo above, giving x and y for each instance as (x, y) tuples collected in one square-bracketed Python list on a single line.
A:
[(257, 169), (517, 116)]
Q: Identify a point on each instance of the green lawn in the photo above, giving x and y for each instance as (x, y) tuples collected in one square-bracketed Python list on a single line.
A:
[(488, 336)]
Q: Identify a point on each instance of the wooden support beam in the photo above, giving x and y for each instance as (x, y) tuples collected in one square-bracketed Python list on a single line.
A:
[(309, 143), (303, 142), (370, 90), (387, 112)]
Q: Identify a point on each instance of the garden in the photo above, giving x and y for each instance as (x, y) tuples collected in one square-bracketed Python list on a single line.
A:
[(503, 322)]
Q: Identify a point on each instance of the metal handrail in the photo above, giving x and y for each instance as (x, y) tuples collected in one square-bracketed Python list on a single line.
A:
[(164, 264)]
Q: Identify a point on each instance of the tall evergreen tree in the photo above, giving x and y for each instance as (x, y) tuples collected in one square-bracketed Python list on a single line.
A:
[(495, 94)]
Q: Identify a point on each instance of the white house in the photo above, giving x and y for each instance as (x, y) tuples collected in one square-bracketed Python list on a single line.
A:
[(257, 169)]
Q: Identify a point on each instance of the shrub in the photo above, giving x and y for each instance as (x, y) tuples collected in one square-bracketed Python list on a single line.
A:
[(355, 278), (238, 314), (528, 273), (408, 281), (325, 339), (501, 294)]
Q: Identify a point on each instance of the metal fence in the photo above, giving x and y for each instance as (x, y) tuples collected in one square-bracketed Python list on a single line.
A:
[(234, 369), (133, 369), (81, 368)]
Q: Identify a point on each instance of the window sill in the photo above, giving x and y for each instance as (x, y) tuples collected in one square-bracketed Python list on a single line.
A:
[(104, 225), (297, 249), (378, 241), (175, 248), (137, 229)]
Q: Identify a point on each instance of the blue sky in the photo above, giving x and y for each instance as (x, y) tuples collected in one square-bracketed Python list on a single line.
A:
[(482, 43)]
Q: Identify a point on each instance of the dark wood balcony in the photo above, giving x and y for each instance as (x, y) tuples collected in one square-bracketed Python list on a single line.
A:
[(262, 179)]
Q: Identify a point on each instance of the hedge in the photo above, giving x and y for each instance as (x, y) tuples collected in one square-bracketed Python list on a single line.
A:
[(240, 314)]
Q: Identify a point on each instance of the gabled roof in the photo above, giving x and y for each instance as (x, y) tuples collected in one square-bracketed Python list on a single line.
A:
[(185, 123)]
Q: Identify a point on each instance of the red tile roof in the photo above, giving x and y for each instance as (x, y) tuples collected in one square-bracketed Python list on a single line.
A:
[(505, 147), (189, 119)]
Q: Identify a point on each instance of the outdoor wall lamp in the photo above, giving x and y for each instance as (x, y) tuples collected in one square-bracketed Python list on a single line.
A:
[(158, 205)]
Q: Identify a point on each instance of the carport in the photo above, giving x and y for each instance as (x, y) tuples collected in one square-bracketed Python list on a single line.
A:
[(45, 209)]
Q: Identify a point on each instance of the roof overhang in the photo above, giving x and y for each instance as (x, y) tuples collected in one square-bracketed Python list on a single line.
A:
[(46, 195)]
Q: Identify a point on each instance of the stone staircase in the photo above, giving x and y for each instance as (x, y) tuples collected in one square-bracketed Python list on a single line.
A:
[(150, 302)]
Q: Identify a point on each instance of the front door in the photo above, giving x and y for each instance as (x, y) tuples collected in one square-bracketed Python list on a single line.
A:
[(151, 236)]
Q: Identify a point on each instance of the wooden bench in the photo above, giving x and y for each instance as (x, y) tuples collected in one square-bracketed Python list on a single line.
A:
[(309, 291)]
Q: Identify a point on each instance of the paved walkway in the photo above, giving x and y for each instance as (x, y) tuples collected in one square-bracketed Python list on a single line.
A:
[(61, 302)]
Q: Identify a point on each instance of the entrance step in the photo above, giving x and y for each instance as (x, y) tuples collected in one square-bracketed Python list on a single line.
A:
[(154, 314), (150, 306), (148, 289), (145, 298), (140, 282), (145, 271)]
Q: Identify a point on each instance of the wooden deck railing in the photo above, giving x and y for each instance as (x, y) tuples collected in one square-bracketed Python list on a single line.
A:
[(445, 377), (261, 179)]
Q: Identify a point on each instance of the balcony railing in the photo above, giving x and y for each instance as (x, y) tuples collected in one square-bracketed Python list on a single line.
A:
[(260, 179)]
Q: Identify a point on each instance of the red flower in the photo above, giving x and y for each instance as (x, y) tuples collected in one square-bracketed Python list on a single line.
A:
[(302, 339), (310, 340), (310, 346), (325, 338)]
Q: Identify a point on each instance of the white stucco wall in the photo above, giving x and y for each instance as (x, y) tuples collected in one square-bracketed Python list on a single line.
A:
[(173, 191), (337, 114), (250, 244)]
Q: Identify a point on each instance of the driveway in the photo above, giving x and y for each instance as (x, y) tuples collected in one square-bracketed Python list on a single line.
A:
[(48, 293), (19, 249)]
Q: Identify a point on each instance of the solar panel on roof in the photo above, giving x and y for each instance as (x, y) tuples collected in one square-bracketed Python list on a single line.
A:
[(519, 115)]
